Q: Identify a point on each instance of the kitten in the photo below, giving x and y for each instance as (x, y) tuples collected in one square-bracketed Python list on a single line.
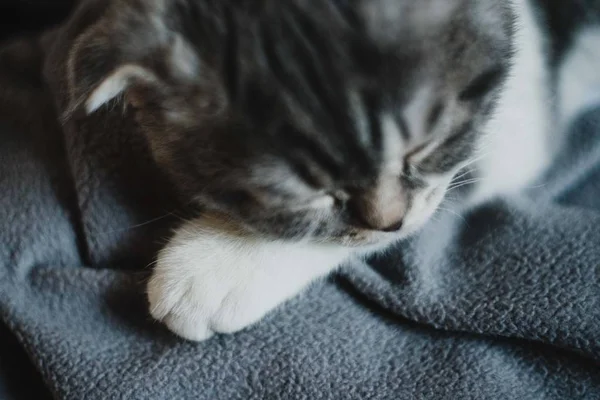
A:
[(311, 132)]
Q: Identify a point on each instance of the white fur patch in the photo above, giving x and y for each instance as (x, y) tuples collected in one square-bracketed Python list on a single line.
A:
[(115, 84), (425, 203), (382, 16), (516, 149), (392, 145), (415, 112), (361, 118), (579, 77), (183, 59), (208, 281)]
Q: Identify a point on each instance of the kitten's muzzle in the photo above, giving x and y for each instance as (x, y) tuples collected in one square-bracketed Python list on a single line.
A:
[(378, 210)]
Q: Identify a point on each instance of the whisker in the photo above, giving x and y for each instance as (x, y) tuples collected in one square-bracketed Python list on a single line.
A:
[(465, 173), (151, 264), (464, 182), (138, 225), (454, 213), (312, 227), (537, 186), (461, 184), (476, 159)]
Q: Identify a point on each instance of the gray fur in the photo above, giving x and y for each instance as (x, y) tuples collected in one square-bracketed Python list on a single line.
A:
[(298, 91)]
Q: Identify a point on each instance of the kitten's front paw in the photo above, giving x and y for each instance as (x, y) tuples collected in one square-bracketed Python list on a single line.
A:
[(197, 297), (208, 282)]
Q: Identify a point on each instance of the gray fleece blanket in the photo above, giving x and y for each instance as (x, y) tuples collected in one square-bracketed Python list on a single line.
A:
[(500, 303)]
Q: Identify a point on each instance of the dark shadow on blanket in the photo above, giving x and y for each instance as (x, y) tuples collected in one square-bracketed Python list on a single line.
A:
[(18, 378)]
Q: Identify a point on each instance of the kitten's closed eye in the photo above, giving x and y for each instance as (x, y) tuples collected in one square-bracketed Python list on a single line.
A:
[(416, 155), (483, 84), (327, 200)]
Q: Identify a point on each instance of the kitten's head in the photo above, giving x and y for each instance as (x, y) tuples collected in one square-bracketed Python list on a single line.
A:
[(337, 120)]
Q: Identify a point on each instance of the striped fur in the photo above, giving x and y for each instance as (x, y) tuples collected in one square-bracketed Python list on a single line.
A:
[(324, 119)]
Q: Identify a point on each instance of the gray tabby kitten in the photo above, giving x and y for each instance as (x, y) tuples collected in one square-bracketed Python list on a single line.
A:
[(313, 131)]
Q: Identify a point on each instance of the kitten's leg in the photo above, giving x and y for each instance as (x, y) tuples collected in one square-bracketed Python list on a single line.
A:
[(213, 279)]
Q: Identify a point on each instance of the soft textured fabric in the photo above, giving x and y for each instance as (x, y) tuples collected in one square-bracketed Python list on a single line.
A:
[(502, 303)]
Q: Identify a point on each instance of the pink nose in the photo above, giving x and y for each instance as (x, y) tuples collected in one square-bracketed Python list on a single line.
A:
[(376, 215), (394, 227), (375, 225)]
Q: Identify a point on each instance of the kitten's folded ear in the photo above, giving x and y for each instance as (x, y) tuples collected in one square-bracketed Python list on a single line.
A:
[(99, 73), (133, 56), (117, 83)]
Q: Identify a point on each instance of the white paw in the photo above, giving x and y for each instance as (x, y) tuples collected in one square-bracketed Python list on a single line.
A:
[(199, 299), (207, 282)]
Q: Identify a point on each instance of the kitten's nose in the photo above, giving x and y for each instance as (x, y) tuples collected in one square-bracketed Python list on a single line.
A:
[(371, 220), (394, 227), (376, 226), (379, 211)]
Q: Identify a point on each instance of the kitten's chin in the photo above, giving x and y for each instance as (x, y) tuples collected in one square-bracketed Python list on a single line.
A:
[(368, 241)]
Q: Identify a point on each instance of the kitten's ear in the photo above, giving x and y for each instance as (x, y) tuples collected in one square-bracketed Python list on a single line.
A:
[(132, 54), (99, 72), (117, 83)]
